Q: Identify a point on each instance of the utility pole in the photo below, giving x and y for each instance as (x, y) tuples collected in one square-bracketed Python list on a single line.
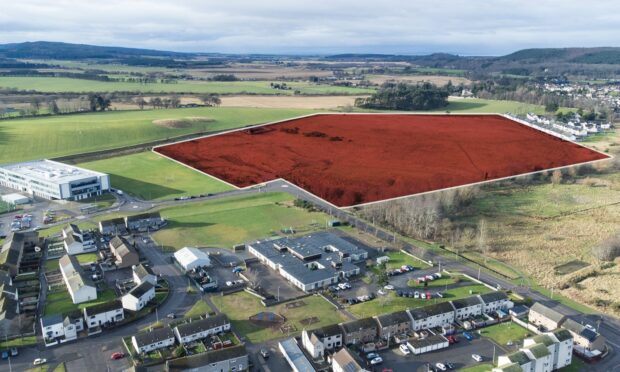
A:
[(479, 272)]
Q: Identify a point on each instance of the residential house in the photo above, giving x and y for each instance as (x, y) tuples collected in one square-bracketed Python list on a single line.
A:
[(13, 249), (345, 361), (430, 316), (495, 301), (199, 329), (124, 253), (517, 358), (359, 331), (114, 226), (545, 318), (318, 340), (80, 287), (467, 307), (75, 241), (561, 351), (584, 337), (104, 315), (541, 357), (144, 222), (142, 273), (154, 339), (393, 324), (137, 298), (59, 329), (234, 359)]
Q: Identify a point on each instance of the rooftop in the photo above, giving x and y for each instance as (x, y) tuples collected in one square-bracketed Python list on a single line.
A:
[(296, 356), (579, 329), (493, 297), (190, 328), (194, 362), (547, 312), (73, 273), (143, 216), (347, 361), (430, 340), (142, 271), (356, 325), (51, 171), (431, 310), (153, 336), (562, 334), (399, 317), (538, 350), (519, 357), (141, 289), (103, 307), (466, 302)]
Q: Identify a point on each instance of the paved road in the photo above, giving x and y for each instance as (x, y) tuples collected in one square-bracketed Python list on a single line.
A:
[(95, 351)]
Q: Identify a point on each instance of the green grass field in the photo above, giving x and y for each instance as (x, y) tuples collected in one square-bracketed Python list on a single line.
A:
[(484, 367), (398, 259), (241, 305), (150, 176), (393, 303), (477, 105), (65, 85), (225, 222), (46, 137), (200, 308), (60, 302), (502, 333)]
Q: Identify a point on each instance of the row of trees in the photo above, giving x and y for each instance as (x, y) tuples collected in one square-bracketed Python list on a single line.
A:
[(401, 96)]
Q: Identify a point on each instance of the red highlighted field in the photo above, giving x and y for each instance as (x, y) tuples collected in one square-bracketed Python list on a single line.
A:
[(350, 159)]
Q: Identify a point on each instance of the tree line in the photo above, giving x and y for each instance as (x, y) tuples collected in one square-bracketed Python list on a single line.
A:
[(402, 96)]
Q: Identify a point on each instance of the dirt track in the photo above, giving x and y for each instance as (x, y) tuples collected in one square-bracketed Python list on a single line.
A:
[(354, 159)]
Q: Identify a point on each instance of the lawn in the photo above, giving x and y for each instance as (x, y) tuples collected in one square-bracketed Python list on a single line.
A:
[(101, 201), (200, 308), (398, 259), (60, 302), (51, 265), (392, 303), (63, 85), (230, 221), (19, 342), (241, 305), (85, 258), (477, 105), (441, 282), (149, 176), (503, 332), (48, 137), (485, 367)]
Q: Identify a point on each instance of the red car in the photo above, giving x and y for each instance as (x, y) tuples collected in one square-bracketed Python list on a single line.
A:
[(117, 355)]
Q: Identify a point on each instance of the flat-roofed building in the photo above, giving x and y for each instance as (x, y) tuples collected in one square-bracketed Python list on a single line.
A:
[(52, 180), (294, 356)]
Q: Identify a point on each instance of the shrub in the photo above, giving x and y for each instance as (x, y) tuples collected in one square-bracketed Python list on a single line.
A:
[(608, 250)]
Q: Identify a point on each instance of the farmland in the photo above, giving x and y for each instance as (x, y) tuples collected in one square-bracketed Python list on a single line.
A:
[(225, 222), (369, 158), (153, 177), (48, 137)]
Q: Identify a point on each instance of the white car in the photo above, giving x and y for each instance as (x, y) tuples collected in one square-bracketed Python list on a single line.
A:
[(377, 360), (405, 350), (416, 294), (39, 361), (441, 367), (229, 283), (380, 292), (476, 357), (389, 287)]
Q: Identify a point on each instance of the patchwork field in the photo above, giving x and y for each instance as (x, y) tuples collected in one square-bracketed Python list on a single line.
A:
[(45, 137), (351, 159), (230, 221), (153, 177)]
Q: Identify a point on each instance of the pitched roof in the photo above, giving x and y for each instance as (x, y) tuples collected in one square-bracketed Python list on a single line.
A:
[(73, 273), (518, 357), (103, 307), (153, 336), (466, 302), (121, 246), (143, 271), (356, 325), (143, 216), (579, 329), (431, 310), (112, 222), (191, 328), (543, 339), (140, 290), (547, 312), (13, 248), (202, 359), (50, 320), (493, 297), (511, 367), (346, 361), (327, 331), (399, 317)]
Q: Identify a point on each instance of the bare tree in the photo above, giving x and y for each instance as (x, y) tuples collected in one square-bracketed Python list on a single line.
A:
[(140, 102), (482, 238), (254, 279)]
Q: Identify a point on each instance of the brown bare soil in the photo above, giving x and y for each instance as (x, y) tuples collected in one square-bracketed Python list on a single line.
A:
[(182, 122)]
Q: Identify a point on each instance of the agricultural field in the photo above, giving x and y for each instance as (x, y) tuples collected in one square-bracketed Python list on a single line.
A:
[(414, 79), (477, 105), (153, 177), (71, 85), (391, 303), (241, 305), (306, 102), (226, 222), (48, 137)]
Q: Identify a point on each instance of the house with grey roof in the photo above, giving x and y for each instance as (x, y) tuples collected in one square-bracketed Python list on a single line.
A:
[(75, 241), (124, 253), (105, 314), (13, 249), (467, 307), (584, 337), (149, 221), (199, 329), (393, 324), (113, 226), (138, 297), (544, 317), (81, 288), (142, 273), (559, 346), (430, 316), (494, 301), (153, 339), (227, 359), (58, 328), (317, 341), (359, 331)]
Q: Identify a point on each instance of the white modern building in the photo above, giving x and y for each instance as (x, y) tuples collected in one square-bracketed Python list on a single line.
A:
[(53, 180), (81, 288), (137, 298), (189, 258)]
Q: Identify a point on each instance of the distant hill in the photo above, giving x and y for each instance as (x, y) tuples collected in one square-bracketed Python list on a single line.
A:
[(66, 51), (605, 55)]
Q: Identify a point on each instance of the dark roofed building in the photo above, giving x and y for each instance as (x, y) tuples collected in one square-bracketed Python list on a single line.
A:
[(125, 254), (158, 338), (144, 222), (495, 301), (467, 307), (430, 316), (104, 314), (393, 324), (228, 359), (13, 249), (544, 317), (360, 330), (583, 336), (199, 329), (137, 298), (345, 361), (318, 340), (114, 226)]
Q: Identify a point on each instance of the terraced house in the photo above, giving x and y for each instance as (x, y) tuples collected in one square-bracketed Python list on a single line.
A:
[(80, 287), (317, 341), (393, 324), (431, 316), (199, 329)]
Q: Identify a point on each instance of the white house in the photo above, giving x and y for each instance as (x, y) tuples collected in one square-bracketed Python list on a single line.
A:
[(76, 242), (143, 274), (318, 340), (436, 315), (58, 329), (137, 298), (494, 301), (559, 343), (467, 307), (80, 287), (199, 329), (540, 356), (145, 342), (189, 258), (104, 315)]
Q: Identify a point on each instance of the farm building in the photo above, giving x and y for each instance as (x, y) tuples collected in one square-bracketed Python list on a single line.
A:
[(53, 180), (125, 254), (80, 287), (189, 258)]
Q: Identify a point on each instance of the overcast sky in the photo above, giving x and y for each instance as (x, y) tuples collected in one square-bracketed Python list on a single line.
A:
[(468, 27)]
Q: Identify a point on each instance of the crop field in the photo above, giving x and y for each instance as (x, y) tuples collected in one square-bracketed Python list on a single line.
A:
[(71, 85), (226, 222), (350, 159), (153, 177), (46, 137)]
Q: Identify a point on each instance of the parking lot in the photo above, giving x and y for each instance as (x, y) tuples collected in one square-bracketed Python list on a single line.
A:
[(273, 283)]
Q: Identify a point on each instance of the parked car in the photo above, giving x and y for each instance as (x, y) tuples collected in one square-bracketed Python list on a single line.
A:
[(14, 352), (416, 294), (381, 292), (171, 316), (476, 357), (117, 355), (39, 361), (452, 340), (237, 269), (371, 356), (440, 366), (229, 283), (5, 354), (377, 360), (449, 365), (404, 349), (389, 287), (264, 353), (468, 336)]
